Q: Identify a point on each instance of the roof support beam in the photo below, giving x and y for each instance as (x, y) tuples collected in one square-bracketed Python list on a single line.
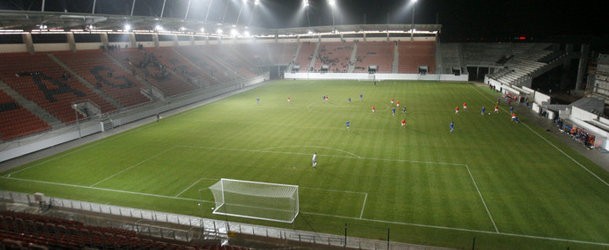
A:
[(163, 9), (133, 7), (187, 10)]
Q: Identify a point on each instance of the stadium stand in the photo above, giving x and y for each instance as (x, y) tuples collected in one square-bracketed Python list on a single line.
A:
[(145, 62), (335, 55), (16, 121), (305, 55), (374, 53), (39, 79), (450, 58), (280, 53), (206, 57), (415, 54), (517, 64), (32, 231), (241, 58), (95, 67), (182, 67)]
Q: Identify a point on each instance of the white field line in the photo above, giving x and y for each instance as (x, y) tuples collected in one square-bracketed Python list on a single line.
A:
[(490, 216), (192, 185), (345, 191), (132, 166), (337, 156), (568, 156), (555, 147), (106, 189), (320, 214), (76, 150), (464, 229), (363, 206), (329, 148), (333, 190)]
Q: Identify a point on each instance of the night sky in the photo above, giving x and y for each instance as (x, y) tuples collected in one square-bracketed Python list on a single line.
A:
[(460, 19)]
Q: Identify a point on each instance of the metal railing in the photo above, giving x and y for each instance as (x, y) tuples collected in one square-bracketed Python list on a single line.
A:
[(154, 223)]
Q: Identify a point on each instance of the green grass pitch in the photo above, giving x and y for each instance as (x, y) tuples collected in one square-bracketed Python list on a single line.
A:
[(509, 186)]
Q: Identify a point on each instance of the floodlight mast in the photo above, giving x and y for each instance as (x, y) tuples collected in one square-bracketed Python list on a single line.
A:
[(306, 6), (256, 3), (240, 10), (207, 14), (414, 4), (332, 7)]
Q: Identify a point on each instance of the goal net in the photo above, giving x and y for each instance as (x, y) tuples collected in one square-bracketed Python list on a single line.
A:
[(256, 200)]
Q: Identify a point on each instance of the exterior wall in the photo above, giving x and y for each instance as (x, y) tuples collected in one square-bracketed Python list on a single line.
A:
[(146, 44), (167, 44), (42, 47), (13, 48), (541, 98), (88, 46)]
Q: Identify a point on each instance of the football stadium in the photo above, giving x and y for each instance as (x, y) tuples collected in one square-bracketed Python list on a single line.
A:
[(309, 124)]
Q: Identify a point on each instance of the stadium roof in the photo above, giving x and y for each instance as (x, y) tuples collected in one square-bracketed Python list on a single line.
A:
[(472, 19)]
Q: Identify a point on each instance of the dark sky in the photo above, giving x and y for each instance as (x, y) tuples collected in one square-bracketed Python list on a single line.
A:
[(465, 19)]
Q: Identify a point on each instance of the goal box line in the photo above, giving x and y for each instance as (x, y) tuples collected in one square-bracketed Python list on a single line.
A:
[(217, 212)]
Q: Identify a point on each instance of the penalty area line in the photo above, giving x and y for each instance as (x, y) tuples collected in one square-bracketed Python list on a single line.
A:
[(363, 206), (132, 166), (337, 156), (490, 216)]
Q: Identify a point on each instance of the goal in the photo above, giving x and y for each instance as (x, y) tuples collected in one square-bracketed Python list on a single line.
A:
[(256, 200)]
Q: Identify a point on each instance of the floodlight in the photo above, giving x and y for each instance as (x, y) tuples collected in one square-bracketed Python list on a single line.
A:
[(306, 3), (414, 1), (234, 32), (158, 27), (310, 32), (219, 31), (246, 33), (332, 2), (257, 2), (127, 27), (202, 29), (182, 28)]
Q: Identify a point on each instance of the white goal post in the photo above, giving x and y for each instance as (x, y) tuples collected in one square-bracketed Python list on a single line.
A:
[(256, 200)]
